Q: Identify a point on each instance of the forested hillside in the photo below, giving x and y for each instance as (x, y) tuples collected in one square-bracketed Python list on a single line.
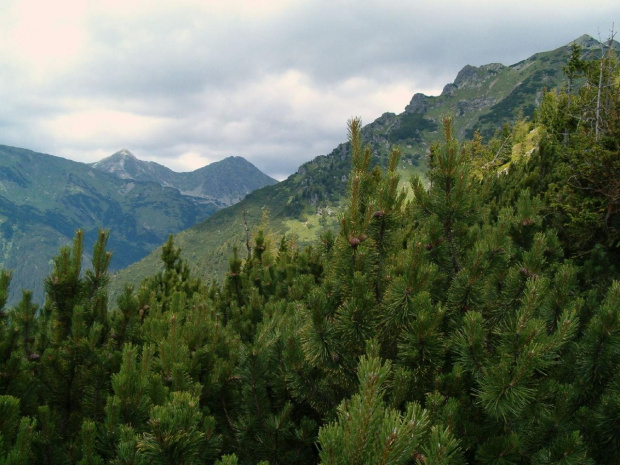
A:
[(477, 321)]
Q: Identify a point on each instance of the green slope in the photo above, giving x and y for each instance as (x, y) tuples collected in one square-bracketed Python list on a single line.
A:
[(45, 199)]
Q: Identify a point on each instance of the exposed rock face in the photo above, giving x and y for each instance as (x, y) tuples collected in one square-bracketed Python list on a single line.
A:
[(466, 106), (124, 165), (448, 89), (468, 73), (418, 104), (384, 118), (473, 76)]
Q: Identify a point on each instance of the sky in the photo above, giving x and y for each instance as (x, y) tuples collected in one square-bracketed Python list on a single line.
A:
[(188, 82)]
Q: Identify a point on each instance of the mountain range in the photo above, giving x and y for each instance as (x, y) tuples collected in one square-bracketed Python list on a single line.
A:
[(44, 199), (481, 99), (222, 183)]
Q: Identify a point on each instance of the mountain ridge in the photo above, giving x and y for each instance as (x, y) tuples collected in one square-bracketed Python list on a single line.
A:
[(211, 183)]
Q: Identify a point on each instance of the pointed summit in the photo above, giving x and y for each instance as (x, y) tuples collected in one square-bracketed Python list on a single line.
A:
[(123, 153), (589, 43), (124, 164), (586, 42), (224, 182), (115, 158)]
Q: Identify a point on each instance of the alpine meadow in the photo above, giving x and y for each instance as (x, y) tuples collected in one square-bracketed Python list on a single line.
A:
[(444, 288)]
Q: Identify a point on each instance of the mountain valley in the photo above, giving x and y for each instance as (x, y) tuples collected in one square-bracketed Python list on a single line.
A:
[(44, 199)]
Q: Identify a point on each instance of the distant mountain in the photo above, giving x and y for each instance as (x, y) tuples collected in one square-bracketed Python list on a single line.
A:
[(480, 99), (223, 183), (44, 199), (124, 165)]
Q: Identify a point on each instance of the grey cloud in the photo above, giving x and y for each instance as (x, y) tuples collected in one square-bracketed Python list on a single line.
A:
[(204, 74)]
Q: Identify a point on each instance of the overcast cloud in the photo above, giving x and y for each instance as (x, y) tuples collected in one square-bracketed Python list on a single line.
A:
[(188, 82)]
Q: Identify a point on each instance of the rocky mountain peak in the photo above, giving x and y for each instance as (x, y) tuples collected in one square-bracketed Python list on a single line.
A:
[(117, 159), (586, 41), (473, 76), (468, 72), (418, 104), (124, 153)]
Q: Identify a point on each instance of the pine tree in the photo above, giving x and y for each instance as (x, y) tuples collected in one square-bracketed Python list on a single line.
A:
[(16, 434), (17, 331), (581, 134), (450, 204), (75, 365), (368, 432), (175, 277), (575, 66), (177, 434)]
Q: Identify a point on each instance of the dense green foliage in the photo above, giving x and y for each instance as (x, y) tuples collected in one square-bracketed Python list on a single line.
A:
[(477, 323)]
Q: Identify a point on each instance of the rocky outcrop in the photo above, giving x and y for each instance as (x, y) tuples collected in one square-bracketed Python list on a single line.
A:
[(419, 104), (467, 106), (474, 76), (448, 89)]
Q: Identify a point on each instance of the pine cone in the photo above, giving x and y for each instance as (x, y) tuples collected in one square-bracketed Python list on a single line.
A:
[(354, 242)]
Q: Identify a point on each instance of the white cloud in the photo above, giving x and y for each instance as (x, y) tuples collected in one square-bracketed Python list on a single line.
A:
[(44, 39), (190, 161), (100, 126), (185, 82)]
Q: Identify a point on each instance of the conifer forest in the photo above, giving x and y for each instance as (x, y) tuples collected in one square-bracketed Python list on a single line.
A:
[(471, 318)]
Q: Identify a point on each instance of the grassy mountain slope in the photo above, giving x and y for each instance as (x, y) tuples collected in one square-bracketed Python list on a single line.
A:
[(44, 199), (480, 98)]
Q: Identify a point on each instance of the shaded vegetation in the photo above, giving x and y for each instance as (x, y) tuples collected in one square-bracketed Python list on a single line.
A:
[(478, 322), (410, 127)]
